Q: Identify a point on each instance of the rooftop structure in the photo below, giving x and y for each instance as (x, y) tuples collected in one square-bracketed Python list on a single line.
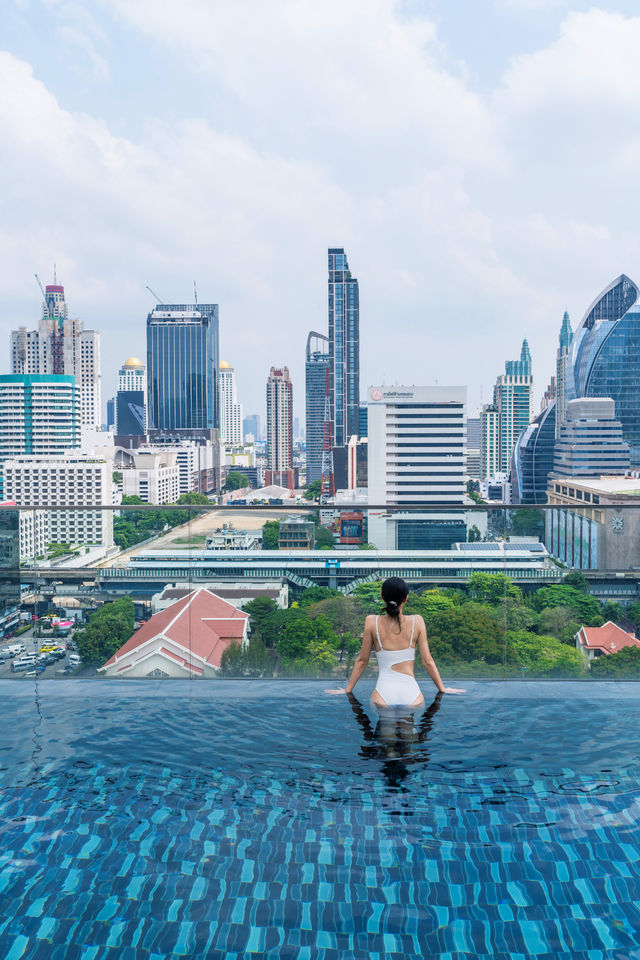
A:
[(594, 642), (186, 639)]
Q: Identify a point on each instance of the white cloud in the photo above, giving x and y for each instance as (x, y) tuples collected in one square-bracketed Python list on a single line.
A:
[(471, 219)]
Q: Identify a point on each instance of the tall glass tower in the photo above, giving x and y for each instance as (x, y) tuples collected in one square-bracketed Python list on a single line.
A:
[(344, 347), (182, 367), (316, 368), (605, 356)]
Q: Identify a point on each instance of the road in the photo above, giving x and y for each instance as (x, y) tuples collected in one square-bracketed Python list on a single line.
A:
[(33, 645)]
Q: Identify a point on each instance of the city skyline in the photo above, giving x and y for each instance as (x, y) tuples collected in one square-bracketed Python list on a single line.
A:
[(482, 182)]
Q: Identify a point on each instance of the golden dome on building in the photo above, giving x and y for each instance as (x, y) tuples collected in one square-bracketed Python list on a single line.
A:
[(224, 365), (133, 362)]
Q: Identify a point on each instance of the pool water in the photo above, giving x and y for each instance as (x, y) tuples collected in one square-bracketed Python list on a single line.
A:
[(237, 819)]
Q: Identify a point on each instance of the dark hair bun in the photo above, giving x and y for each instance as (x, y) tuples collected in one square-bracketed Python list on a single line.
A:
[(394, 592)]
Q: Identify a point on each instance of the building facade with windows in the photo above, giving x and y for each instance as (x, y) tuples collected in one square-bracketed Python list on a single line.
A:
[(131, 399), (416, 456), (532, 459), (508, 415), (316, 382), (590, 441), (344, 347), (605, 356), (73, 479), (279, 420), (182, 368), (231, 432)]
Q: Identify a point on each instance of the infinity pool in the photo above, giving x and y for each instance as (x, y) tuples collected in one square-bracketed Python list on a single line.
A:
[(234, 819)]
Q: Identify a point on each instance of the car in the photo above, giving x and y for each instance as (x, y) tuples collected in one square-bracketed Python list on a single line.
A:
[(23, 663), (17, 648), (74, 659), (5, 653), (30, 674)]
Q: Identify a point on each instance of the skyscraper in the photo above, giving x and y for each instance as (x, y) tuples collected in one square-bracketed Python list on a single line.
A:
[(39, 415), (230, 409), (605, 356), (532, 458), (131, 399), (344, 347), (511, 409), (590, 442), (416, 456), (61, 346), (316, 371), (251, 424), (562, 360), (182, 367), (279, 420)]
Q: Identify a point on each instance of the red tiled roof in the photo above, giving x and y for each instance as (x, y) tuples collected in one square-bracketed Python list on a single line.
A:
[(609, 639), (201, 624)]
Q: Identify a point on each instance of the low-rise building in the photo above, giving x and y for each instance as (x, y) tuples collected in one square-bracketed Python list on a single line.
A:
[(236, 592), (227, 537), (34, 532), (594, 642), (186, 639), (591, 525), (74, 480), (296, 533)]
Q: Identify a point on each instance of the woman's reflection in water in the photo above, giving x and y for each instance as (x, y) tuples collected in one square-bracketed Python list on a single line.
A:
[(395, 738)]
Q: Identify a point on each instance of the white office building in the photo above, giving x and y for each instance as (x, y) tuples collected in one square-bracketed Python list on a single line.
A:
[(154, 476), (231, 417), (416, 456), (74, 479)]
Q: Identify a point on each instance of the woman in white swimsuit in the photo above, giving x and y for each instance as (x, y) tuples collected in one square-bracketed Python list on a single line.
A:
[(394, 638)]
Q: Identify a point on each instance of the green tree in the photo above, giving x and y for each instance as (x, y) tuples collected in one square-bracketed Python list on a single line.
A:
[(559, 622), (313, 490), (344, 614), (116, 476), (465, 633), (492, 587), (368, 596), (303, 638), (270, 535), (109, 627), (324, 538), (612, 611), (259, 610), (544, 656), (473, 534), (633, 613), (585, 607), (272, 627), (315, 594), (428, 603), (577, 580), (235, 481), (625, 664), (246, 660)]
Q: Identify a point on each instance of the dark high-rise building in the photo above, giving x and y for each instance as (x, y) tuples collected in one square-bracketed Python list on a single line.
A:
[(316, 369), (344, 348), (251, 424), (605, 356), (182, 368), (363, 421)]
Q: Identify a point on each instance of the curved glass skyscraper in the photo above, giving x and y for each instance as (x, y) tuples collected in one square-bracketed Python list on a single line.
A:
[(605, 356), (532, 458)]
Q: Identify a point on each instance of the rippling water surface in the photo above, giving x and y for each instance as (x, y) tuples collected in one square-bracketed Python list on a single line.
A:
[(237, 819)]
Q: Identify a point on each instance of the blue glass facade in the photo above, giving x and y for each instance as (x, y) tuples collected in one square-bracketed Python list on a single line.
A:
[(344, 347), (605, 358), (532, 459), (182, 367)]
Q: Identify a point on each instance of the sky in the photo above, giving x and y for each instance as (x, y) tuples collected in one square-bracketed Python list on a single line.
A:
[(477, 159)]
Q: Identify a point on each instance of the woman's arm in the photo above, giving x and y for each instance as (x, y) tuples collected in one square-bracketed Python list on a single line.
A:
[(428, 661), (361, 660)]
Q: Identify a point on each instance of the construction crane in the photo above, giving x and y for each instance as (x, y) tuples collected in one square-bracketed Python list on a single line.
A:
[(159, 300), (42, 290)]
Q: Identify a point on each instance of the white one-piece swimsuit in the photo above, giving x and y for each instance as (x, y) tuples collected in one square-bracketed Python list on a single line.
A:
[(396, 689)]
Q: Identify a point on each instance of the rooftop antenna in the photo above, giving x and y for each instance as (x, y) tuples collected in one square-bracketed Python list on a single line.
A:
[(195, 293), (55, 276), (159, 300)]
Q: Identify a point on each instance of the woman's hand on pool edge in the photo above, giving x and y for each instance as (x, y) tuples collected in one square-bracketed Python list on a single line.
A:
[(337, 690), (453, 690)]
